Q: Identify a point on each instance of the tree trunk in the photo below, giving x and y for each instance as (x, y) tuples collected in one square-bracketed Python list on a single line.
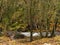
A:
[(31, 36), (54, 28)]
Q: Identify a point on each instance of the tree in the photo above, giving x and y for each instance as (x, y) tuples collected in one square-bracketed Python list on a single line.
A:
[(7, 10)]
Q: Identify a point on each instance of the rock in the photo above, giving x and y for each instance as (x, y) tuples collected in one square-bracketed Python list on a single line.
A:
[(17, 36)]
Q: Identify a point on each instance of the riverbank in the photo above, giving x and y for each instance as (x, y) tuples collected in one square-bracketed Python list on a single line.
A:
[(52, 41)]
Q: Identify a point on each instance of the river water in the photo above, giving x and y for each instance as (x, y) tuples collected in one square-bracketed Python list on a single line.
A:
[(27, 34)]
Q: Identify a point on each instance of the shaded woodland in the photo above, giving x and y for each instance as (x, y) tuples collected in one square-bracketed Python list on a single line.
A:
[(30, 16)]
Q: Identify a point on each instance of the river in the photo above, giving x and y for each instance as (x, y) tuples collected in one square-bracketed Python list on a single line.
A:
[(38, 34)]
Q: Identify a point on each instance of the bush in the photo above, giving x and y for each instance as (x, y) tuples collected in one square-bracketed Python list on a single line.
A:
[(1, 31), (1, 34)]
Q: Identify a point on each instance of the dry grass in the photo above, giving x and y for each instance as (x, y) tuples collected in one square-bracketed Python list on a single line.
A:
[(7, 41)]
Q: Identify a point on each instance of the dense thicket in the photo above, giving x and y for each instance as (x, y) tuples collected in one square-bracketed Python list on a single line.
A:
[(30, 15)]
